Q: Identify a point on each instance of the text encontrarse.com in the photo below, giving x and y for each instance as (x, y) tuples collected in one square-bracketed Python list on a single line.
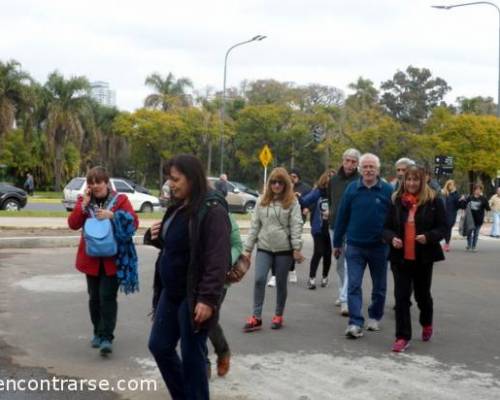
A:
[(56, 384)]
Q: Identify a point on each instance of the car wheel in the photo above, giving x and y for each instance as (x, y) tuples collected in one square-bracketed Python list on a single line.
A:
[(249, 207), (11, 205), (147, 208)]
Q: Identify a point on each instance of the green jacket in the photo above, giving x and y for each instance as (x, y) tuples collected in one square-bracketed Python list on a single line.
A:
[(236, 243)]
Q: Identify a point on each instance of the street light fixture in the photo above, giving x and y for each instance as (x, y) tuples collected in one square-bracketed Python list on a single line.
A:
[(256, 38), (488, 3)]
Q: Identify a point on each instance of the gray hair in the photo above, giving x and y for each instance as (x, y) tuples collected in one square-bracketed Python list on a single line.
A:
[(405, 161), (367, 156), (351, 153)]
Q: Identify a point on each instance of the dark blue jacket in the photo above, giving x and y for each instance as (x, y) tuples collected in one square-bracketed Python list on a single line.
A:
[(312, 201), (451, 205), (362, 214)]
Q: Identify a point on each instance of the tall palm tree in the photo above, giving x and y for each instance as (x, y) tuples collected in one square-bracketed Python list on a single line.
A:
[(67, 103), (169, 92), (14, 87)]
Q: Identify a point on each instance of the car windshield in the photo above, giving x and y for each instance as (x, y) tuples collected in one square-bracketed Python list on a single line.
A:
[(75, 184)]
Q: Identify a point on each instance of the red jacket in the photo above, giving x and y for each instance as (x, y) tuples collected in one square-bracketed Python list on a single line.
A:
[(84, 263)]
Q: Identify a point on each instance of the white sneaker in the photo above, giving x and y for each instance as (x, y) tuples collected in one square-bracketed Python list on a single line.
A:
[(372, 325), (338, 303), (293, 277), (354, 332), (272, 281), (344, 310), (324, 282)]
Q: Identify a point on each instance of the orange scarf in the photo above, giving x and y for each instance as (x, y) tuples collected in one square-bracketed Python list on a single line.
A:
[(410, 201)]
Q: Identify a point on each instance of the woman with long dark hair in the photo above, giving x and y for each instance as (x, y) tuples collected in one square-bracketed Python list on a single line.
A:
[(317, 201), (415, 225), (189, 277), (276, 229)]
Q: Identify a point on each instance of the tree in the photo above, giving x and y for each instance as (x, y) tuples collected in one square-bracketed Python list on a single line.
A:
[(270, 91), (14, 84), (410, 96), (68, 106), (365, 95), (476, 105), (169, 92)]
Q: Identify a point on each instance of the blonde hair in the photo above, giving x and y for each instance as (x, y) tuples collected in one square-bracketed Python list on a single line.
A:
[(286, 197), (425, 194), (323, 180), (448, 187)]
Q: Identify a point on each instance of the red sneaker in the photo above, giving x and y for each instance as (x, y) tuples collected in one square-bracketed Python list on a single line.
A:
[(400, 345), (223, 364), (426, 333), (252, 324), (277, 322), (446, 247)]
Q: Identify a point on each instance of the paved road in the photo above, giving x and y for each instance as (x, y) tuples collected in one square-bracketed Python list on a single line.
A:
[(44, 321)]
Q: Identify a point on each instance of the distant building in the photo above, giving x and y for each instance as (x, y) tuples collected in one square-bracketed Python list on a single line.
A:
[(101, 93)]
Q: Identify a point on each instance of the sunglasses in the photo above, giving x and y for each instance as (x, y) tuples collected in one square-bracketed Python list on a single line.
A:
[(276, 182)]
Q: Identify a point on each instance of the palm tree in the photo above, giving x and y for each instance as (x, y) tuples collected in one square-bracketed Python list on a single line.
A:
[(169, 92), (14, 86), (67, 104)]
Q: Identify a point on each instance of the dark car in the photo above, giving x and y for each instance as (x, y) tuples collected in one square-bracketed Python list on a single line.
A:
[(138, 188), (12, 198), (245, 188)]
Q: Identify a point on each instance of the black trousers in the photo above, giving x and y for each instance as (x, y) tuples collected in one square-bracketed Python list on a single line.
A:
[(447, 236), (412, 276), (217, 337), (103, 305), (322, 249)]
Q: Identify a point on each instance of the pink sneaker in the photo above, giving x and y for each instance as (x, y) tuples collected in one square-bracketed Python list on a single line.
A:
[(446, 247), (400, 345), (426, 333)]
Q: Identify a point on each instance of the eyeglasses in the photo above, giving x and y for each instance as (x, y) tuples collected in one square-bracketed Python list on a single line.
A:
[(276, 182)]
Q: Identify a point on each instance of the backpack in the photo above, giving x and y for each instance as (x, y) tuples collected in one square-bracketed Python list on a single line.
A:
[(98, 235)]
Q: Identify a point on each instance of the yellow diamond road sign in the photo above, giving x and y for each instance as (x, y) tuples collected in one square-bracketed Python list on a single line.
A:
[(265, 156)]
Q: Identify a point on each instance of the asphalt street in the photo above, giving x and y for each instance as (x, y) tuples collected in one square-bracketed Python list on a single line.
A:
[(45, 330)]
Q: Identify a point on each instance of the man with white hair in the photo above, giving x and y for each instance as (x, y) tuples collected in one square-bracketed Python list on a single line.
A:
[(361, 218), (346, 174), (401, 166)]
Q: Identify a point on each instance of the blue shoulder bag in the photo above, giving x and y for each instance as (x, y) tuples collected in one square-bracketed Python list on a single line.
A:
[(98, 235)]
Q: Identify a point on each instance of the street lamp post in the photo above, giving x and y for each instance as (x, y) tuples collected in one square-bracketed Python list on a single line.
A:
[(223, 111), (488, 3)]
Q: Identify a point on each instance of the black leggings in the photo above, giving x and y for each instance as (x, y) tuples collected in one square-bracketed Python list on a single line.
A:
[(322, 249), (447, 236)]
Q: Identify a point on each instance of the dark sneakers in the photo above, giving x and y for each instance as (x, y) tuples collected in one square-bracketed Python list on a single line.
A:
[(277, 322), (106, 347), (253, 324), (95, 343)]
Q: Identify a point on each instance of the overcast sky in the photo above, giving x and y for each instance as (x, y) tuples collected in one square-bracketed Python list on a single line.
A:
[(331, 42)]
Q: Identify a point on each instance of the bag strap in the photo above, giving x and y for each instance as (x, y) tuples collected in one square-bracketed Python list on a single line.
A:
[(112, 202)]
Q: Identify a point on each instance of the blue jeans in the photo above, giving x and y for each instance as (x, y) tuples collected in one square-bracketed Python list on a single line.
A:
[(357, 258), (473, 236), (186, 379)]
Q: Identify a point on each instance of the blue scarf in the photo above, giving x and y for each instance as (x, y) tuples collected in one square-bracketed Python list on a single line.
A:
[(126, 259)]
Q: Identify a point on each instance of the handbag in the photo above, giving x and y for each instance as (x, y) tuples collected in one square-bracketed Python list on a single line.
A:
[(238, 269)]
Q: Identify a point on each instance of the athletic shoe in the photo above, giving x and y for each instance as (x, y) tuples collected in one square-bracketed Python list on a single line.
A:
[(272, 281), (338, 303), (95, 342), (106, 347), (400, 345), (446, 247), (467, 248), (372, 325), (324, 282), (223, 364), (311, 284), (354, 332), (252, 324), (293, 277), (473, 250), (344, 310), (277, 322), (427, 333)]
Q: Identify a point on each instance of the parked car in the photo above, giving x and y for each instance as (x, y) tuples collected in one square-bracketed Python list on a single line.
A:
[(141, 202), (245, 188), (12, 198), (238, 200), (165, 195), (137, 187)]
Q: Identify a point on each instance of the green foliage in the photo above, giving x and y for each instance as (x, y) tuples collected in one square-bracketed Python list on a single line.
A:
[(476, 105)]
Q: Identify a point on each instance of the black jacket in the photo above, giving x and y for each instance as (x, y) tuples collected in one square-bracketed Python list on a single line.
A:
[(336, 188), (430, 220), (210, 254)]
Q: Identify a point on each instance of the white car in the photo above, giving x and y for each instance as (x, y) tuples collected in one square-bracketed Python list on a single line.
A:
[(237, 200), (141, 202)]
